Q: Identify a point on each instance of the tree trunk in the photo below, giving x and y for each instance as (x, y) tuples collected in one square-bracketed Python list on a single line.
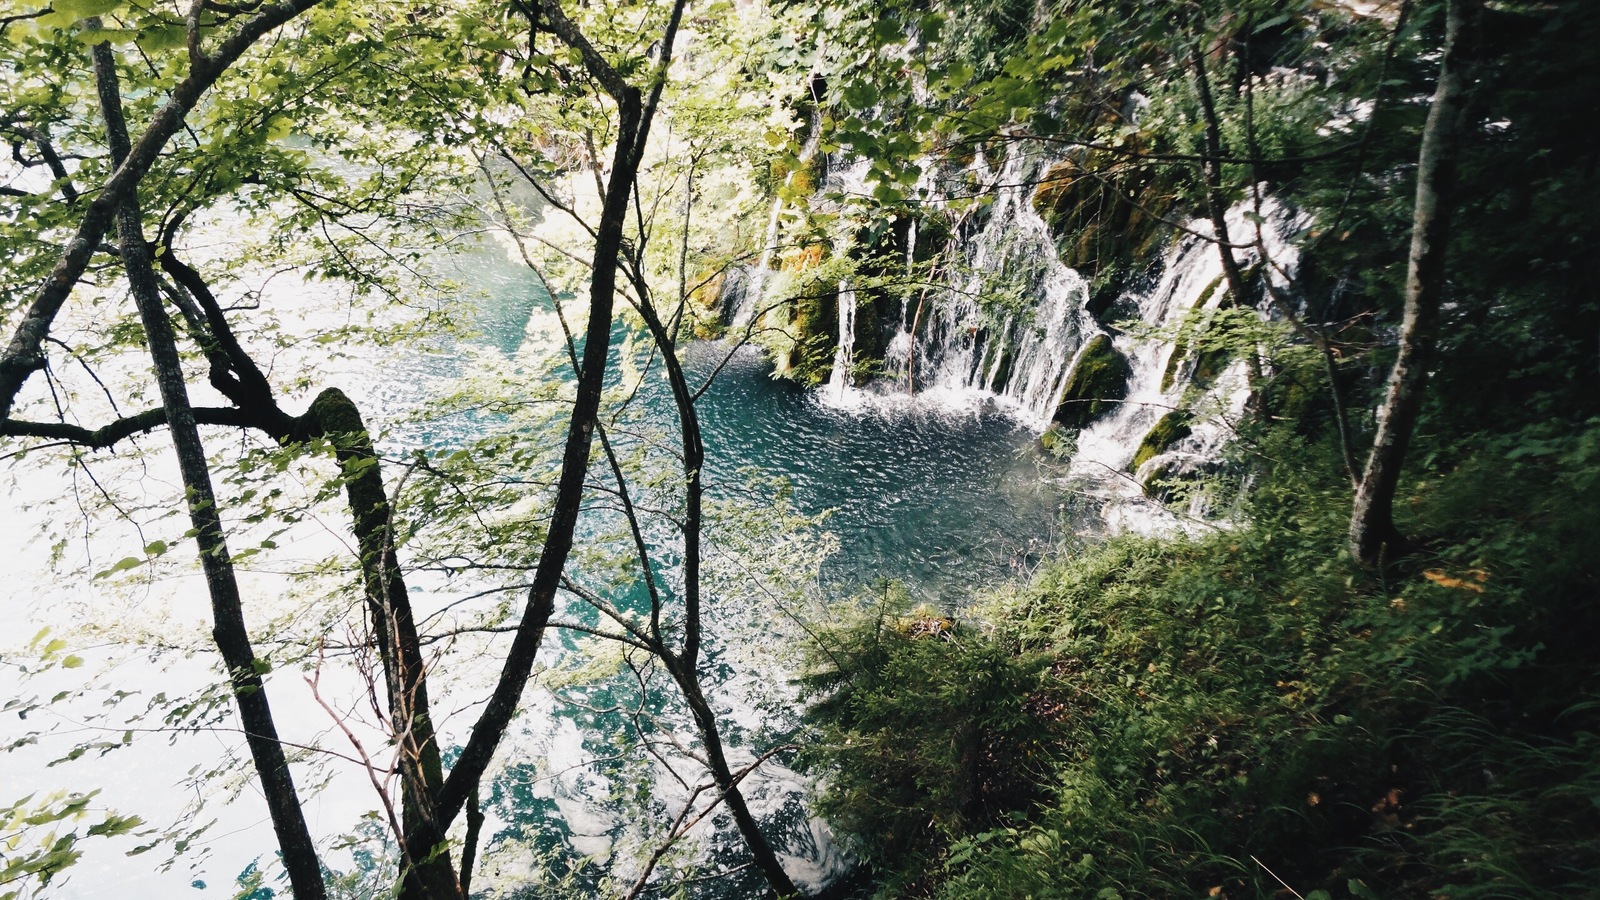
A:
[(717, 761), (228, 629), (428, 875), (334, 417), (685, 666), (1211, 173), (1373, 535)]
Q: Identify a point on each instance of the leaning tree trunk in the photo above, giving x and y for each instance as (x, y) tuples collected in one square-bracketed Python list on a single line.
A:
[(335, 418), (428, 872), (1211, 173), (228, 628), (1373, 535)]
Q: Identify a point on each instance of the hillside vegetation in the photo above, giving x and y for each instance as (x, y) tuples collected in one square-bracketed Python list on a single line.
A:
[(1250, 712)]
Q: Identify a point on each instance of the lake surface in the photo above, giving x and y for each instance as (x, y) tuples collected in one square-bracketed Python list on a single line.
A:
[(945, 494)]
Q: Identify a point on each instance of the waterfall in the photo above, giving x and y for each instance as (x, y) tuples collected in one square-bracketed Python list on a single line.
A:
[(1192, 279), (1002, 329), (838, 386), (951, 350)]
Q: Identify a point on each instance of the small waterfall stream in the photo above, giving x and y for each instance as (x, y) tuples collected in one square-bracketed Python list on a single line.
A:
[(1024, 358), (838, 385), (1192, 278)]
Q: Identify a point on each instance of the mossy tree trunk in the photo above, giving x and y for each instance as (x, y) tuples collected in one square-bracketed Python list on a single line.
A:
[(1373, 535)]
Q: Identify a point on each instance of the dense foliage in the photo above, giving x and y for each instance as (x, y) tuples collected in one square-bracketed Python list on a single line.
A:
[(1207, 716), (1247, 712)]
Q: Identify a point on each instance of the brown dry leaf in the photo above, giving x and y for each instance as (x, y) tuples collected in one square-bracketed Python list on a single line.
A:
[(1437, 576)]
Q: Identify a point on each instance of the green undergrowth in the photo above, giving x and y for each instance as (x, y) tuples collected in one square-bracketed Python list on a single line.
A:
[(1245, 714)]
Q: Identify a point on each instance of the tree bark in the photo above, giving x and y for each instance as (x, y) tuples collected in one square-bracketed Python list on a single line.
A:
[(1373, 535), (429, 874), (717, 761), (334, 417), (633, 127), (228, 629)]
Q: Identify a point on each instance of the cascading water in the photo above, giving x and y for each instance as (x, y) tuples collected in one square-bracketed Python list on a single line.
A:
[(950, 350), (1026, 358), (838, 385), (1192, 283), (1005, 328)]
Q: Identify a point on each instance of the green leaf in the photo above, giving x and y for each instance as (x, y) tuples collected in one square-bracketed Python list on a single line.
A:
[(886, 30), (122, 565), (74, 10), (92, 36), (861, 95), (156, 40), (115, 825), (1273, 22)]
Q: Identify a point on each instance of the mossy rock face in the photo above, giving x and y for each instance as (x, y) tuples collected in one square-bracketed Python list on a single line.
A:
[(997, 356), (1177, 481), (1164, 484), (1098, 380), (933, 233), (815, 319), (706, 303), (1172, 428), (1107, 218), (1207, 364)]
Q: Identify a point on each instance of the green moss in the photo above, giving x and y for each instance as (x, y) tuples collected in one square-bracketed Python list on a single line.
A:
[(1173, 361), (933, 232), (1208, 293), (815, 313), (1098, 380), (1172, 428), (1209, 364), (1186, 336), (1106, 217)]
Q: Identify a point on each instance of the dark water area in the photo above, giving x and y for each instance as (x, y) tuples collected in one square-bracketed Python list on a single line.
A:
[(941, 499)]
